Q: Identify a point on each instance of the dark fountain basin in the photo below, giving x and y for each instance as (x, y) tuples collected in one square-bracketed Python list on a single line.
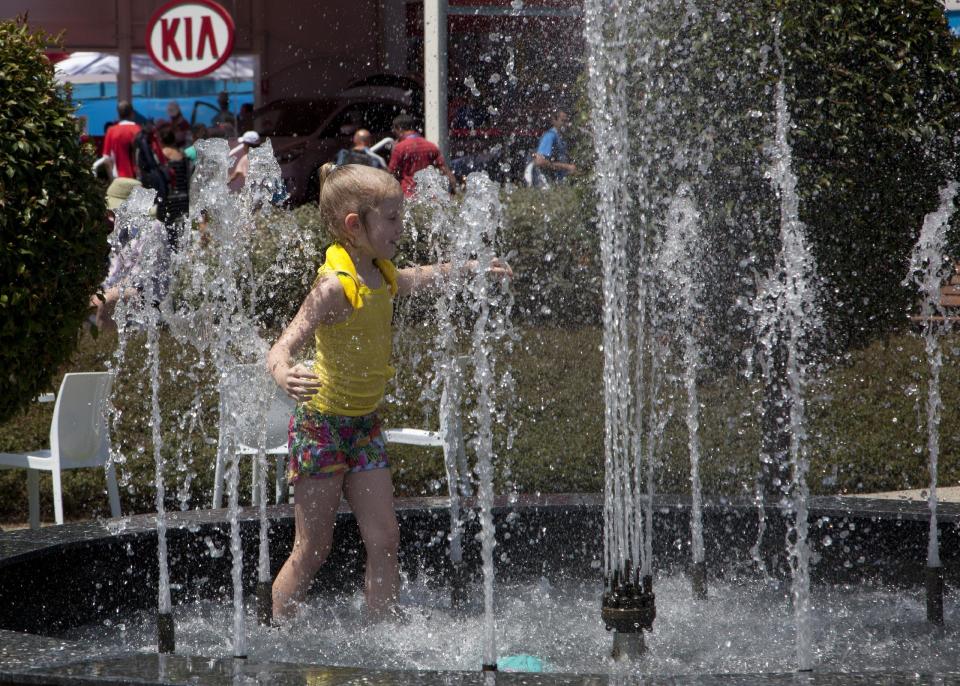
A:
[(56, 580)]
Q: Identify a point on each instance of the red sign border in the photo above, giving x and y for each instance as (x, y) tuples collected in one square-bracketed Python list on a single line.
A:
[(216, 7)]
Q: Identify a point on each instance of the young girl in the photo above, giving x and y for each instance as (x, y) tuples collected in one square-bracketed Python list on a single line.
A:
[(335, 440)]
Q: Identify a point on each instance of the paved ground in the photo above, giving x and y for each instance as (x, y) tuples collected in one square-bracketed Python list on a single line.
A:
[(949, 494), (14, 526)]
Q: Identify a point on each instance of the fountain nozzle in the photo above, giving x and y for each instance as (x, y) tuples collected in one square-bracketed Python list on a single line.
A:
[(629, 608)]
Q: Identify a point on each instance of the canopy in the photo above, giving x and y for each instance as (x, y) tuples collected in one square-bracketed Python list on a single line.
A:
[(97, 67)]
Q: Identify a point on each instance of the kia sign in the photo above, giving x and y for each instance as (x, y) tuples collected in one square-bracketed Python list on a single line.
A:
[(190, 38)]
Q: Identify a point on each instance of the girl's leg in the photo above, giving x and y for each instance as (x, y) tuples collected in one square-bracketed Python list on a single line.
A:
[(315, 512), (370, 495)]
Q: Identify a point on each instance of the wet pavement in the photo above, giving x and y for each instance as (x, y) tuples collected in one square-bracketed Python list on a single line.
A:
[(144, 669), (29, 658)]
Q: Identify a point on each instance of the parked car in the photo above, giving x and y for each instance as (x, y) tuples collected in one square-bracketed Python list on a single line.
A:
[(308, 132)]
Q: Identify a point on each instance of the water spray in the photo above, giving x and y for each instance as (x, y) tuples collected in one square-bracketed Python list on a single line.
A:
[(166, 640), (264, 591), (133, 217), (789, 318), (928, 270), (460, 234), (679, 263), (455, 459)]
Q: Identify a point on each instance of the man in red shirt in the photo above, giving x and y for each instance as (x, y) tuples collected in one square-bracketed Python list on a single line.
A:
[(412, 152), (118, 142)]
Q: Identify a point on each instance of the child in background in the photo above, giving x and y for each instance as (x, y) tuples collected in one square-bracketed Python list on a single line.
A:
[(335, 440)]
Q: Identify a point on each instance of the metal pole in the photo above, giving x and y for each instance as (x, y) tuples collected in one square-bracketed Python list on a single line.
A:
[(125, 50), (259, 51), (435, 72)]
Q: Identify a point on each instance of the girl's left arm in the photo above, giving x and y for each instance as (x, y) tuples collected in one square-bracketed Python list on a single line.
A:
[(413, 279)]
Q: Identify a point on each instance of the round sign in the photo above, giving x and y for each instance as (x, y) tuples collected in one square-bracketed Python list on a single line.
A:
[(190, 38)]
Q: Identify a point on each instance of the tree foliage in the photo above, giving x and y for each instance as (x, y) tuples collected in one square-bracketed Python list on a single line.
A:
[(874, 99), (53, 247)]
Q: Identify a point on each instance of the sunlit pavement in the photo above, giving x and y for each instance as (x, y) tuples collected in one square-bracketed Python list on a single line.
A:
[(948, 494)]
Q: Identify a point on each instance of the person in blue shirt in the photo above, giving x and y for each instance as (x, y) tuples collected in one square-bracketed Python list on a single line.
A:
[(551, 162)]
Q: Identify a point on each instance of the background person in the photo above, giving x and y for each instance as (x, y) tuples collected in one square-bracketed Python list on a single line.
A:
[(199, 133), (118, 143), (245, 117), (124, 276), (150, 162), (224, 118), (551, 161), (412, 152), (238, 174), (178, 124), (177, 202), (360, 152)]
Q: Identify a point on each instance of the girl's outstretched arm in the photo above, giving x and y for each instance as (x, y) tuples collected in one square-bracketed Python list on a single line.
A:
[(413, 279), (324, 305)]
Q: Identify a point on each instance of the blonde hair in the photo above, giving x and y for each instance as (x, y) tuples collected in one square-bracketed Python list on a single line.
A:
[(350, 188)]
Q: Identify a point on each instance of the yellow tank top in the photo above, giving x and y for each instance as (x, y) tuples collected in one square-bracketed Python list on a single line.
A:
[(353, 356)]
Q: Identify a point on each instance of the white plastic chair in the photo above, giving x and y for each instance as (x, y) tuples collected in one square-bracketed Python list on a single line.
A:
[(247, 383), (78, 439), (250, 383), (420, 437), (450, 399)]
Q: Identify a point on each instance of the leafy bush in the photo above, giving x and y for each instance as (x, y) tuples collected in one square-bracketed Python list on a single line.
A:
[(53, 252), (557, 261), (865, 428), (550, 234), (875, 97), (872, 92), (286, 250)]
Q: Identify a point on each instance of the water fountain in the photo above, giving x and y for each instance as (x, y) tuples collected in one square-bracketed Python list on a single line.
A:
[(679, 256), (552, 564), (928, 272)]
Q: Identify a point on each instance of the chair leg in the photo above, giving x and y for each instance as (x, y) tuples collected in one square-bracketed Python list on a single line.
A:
[(33, 497), (57, 497), (113, 493), (255, 481), (281, 478), (218, 480)]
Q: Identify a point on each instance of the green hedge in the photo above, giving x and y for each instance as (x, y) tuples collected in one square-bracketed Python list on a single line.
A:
[(557, 264), (865, 435), (53, 247), (551, 234), (874, 96)]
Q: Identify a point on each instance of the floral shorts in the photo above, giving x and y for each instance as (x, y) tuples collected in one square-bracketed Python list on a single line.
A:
[(324, 445)]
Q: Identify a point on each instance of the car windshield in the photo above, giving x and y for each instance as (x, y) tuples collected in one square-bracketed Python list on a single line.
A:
[(292, 117)]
